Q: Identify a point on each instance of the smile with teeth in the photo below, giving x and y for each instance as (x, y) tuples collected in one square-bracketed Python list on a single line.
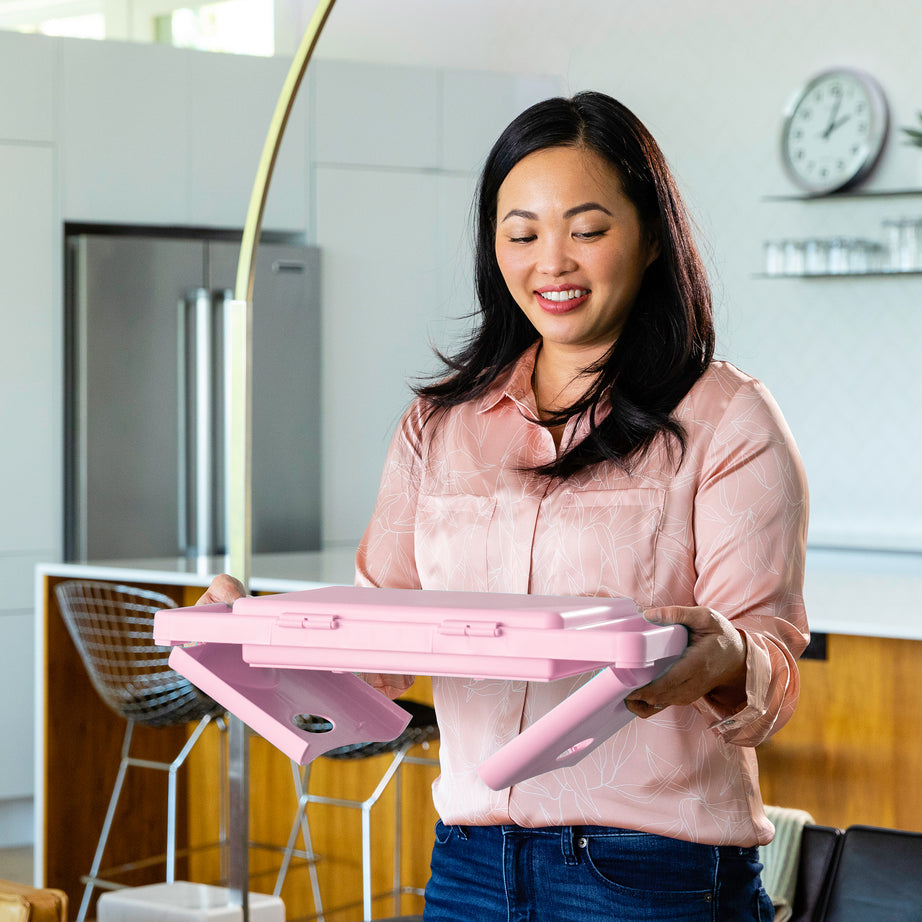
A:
[(568, 295)]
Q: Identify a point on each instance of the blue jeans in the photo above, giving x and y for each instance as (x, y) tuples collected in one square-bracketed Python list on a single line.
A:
[(583, 873)]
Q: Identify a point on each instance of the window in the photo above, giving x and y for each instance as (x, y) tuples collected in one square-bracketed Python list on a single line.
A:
[(238, 26), (235, 26)]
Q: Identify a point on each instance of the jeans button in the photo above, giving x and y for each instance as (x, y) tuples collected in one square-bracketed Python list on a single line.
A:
[(582, 842)]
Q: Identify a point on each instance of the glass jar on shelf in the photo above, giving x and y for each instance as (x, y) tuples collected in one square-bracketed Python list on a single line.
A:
[(904, 244)]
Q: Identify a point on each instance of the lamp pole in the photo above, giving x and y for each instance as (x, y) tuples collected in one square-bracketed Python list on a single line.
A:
[(240, 439)]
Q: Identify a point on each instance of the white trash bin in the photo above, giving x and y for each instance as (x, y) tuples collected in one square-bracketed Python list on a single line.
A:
[(183, 902)]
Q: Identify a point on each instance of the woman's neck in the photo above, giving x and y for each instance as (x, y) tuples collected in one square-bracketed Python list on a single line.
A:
[(559, 379)]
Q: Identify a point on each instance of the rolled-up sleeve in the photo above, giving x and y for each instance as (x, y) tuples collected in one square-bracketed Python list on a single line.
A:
[(751, 511)]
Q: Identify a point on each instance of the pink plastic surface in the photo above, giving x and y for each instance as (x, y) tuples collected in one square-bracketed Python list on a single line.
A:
[(568, 733), (275, 702), (297, 638)]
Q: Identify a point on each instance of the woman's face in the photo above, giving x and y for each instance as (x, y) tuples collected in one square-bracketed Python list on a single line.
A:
[(571, 248)]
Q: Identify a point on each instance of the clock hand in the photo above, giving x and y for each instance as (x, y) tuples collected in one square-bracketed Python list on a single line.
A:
[(832, 117), (835, 125)]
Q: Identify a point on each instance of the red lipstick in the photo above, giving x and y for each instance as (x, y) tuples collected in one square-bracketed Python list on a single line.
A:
[(553, 298)]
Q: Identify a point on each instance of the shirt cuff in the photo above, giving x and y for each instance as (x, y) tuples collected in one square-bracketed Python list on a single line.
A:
[(758, 679)]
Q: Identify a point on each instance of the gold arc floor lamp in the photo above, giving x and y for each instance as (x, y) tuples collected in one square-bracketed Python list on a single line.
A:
[(240, 437)]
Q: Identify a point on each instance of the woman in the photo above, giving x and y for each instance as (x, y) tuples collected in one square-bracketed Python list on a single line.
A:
[(586, 443)]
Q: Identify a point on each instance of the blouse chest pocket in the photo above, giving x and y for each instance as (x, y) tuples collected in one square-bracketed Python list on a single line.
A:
[(609, 538), (451, 540)]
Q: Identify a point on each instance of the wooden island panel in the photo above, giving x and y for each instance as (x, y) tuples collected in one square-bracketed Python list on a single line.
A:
[(852, 752)]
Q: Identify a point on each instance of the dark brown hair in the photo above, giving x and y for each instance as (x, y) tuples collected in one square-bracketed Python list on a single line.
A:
[(668, 339)]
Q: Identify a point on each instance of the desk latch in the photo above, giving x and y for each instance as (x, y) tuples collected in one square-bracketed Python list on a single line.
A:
[(314, 622), (455, 628)]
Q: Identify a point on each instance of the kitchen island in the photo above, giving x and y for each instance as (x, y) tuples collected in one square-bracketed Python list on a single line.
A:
[(78, 741), (849, 755)]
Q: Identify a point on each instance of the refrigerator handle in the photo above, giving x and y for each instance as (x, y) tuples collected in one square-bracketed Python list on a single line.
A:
[(196, 423), (223, 406)]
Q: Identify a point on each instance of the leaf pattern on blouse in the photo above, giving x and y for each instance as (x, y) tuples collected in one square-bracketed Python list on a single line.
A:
[(456, 510)]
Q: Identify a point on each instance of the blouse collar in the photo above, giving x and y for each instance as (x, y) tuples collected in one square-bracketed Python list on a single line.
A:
[(515, 385)]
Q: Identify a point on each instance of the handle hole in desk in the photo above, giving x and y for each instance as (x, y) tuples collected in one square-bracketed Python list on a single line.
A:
[(311, 723)]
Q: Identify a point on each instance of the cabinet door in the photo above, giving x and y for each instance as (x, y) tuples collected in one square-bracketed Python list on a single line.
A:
[(377, 232), (30, 420), (30, 423)]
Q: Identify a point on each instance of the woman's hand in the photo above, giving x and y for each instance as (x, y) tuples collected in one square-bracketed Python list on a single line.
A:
[(226, 589), (223, 588), (393, 686), (713, 664)]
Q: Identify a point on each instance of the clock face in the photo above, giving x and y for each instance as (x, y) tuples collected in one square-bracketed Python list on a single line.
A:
[(834, 131)]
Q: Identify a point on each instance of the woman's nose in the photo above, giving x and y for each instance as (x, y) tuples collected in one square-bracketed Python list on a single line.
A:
[(555, 257)]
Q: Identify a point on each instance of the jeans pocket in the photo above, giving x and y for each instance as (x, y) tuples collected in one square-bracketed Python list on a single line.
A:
[(443, 833), (653, 867)]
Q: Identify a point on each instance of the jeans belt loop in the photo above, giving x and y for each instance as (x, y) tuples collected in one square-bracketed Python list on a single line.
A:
[(567, 838)]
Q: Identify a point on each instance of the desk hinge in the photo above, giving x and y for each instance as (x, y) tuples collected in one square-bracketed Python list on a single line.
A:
[(315, 622), (470, 628)]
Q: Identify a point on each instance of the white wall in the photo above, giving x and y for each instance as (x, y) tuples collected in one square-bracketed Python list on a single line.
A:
[(842, 357), (711, 81)]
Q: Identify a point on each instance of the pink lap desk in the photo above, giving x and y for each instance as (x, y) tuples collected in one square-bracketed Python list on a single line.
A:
[(283, 663)]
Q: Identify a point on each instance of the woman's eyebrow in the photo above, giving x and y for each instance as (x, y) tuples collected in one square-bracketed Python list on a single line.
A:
[(587, 206), (569, 213)]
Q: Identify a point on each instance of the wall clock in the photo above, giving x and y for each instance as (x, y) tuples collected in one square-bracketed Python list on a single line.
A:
[(834, 130)]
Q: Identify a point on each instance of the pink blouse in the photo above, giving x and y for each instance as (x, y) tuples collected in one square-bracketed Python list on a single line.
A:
[(727, 530)]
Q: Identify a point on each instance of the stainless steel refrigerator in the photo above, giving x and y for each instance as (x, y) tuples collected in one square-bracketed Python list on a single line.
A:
[(144, 398)]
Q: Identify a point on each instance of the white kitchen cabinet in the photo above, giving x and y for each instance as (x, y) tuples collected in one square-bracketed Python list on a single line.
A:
[(123, 112), (376, 230), (30, 373), (376, 115), (230, 102), (27, 78), (158, 135), (30, 472)]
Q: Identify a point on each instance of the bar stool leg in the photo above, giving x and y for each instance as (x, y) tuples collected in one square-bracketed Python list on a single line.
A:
[(173, 770), (398, 841), (300, 823), (107, 824)]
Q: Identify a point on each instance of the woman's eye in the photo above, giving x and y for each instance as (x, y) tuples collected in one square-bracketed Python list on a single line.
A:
[(588, 235), (527, 238)]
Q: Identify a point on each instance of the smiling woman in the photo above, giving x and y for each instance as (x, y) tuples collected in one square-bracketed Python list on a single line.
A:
[(585, 443)]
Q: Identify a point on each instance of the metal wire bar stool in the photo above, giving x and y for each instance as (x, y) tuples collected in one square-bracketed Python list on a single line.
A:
[(420, 731), (112, 628)]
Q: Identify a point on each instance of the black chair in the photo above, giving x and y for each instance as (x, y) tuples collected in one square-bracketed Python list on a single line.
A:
[(877, 877), (819, 847)]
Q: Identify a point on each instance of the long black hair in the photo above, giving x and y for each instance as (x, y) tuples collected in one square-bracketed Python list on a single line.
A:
[(668, 339)]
